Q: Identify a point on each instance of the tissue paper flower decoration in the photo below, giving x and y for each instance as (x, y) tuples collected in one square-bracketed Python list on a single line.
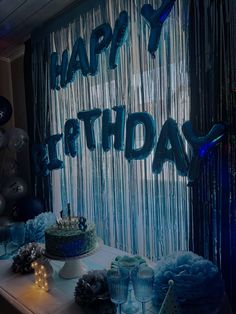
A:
[(25, 256), (34, 228), (127, 261), (198, 284), (91, 292)]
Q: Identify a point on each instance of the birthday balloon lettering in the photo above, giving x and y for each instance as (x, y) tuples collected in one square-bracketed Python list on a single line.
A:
[(169, 148)]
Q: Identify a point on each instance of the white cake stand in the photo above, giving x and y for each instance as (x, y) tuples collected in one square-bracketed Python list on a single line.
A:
[(73, 267)]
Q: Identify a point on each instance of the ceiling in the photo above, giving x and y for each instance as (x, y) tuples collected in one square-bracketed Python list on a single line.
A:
[(18, 18)]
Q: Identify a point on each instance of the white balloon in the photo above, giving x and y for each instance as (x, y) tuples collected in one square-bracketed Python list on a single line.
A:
[(14, 188), (10, 167), (17, 139)]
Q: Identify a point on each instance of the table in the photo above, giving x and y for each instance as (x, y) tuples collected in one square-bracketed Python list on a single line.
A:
[(20, 292)]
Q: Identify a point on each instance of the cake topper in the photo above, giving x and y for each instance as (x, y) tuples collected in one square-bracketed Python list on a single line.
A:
[(70, 223)]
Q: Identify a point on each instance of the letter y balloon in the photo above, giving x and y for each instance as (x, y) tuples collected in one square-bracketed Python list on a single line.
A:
[(201, 145)]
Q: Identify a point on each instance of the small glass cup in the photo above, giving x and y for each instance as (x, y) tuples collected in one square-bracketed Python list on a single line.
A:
[(118, 283), (129, 263), (18, 234), (143, 279), (5, 238)]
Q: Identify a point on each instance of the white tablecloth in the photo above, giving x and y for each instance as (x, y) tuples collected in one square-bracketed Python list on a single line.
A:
[(20, 290)]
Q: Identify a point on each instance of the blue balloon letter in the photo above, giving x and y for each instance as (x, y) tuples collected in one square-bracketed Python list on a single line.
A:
[(72, 131), (147, 121), (200, 145), (118, 38), (116, 128), (176, 153), (79, 50), (97, 45), (55, 163), (40, 159), (56, 70), (89, 117), (155, 20)]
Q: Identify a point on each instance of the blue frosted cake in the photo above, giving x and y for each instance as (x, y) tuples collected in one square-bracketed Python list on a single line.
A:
[(70, 237)]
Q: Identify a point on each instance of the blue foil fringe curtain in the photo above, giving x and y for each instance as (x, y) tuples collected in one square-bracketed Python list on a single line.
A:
[(133, 209), (213, 98)]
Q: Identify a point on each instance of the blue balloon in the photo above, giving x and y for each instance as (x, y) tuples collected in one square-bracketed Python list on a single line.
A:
[(155, 20), (118, 38), (40, 159), (99, 41), (5, 110), (148, 123), (83, 57), (89, 117), (81, 63), (170, 136), (72, 131), (58, 70), (54, 162), (113, 128), (201, 145), (27, 208)]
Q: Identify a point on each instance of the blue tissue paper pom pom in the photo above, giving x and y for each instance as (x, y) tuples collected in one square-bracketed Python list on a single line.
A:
[(34, 228), (198, 284)]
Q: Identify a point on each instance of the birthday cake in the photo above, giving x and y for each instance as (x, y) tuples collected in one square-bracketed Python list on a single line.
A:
[(70, 237)]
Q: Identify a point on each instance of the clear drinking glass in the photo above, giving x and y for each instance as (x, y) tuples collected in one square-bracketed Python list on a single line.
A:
[(143, 278), (18, 234), (5, 238), (129, 263), (118, 282)]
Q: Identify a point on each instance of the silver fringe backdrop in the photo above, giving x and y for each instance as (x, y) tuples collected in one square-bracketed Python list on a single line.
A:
[(132, 208)]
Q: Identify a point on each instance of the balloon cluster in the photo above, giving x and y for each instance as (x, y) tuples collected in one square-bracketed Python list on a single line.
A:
[(13, 187)]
